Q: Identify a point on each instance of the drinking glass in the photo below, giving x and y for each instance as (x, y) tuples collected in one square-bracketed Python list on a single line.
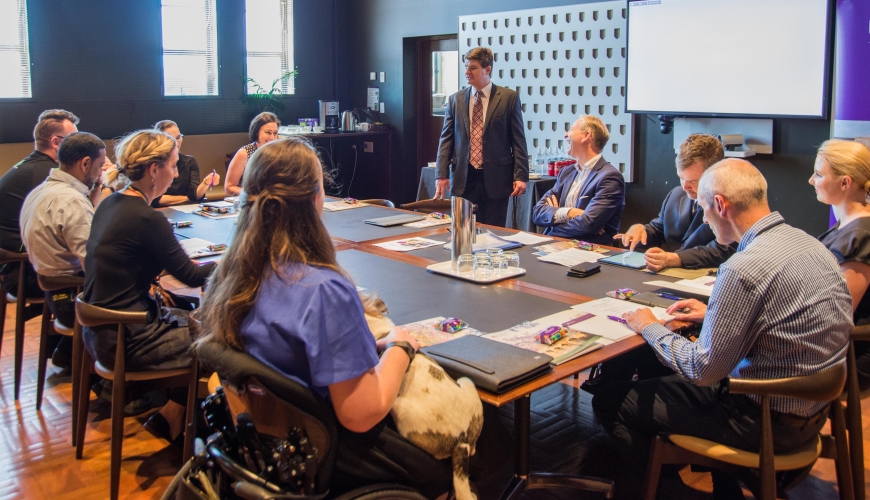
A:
[(465, 263), (494, 251), (482, 266), (513, 259), (499, 263)]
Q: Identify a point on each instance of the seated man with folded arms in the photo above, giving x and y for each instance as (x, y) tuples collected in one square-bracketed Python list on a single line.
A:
[(678, 237), (765, 320), (56, 221), (588, 199), (51, 128)]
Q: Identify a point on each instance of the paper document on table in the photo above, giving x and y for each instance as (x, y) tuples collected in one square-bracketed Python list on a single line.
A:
[(615, 307), (680, 273), (425, 333), (489, 240), (197, 247), (703, 283), (428, 222), (570, 257), (575, 343), (188, 209), (407, 244), (526, 238), (702, 286), (336, 206)]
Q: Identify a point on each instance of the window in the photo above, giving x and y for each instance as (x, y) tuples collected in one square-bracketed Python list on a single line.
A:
[(445, 79), (269, 42), (14, 50), (189, 47)]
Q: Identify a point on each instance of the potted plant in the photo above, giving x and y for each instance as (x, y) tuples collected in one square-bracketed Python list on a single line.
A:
[(267, 99)]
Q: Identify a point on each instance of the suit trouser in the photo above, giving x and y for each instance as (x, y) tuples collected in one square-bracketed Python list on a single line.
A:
[(492, 211)]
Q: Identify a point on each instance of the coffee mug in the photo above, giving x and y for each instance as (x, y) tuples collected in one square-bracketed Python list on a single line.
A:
[(317, 129), (365, 126)]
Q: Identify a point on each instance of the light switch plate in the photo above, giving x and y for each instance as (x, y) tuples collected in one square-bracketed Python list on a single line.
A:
[(383, 76), (381, 109), (368, 147), (372, 76)]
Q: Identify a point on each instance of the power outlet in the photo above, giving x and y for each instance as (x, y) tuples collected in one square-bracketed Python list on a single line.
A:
[(368, 147)]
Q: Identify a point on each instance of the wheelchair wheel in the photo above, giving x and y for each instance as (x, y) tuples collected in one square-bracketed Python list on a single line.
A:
[(382, 492)]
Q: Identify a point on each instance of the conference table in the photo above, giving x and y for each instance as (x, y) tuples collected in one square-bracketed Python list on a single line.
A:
[(412, 294)]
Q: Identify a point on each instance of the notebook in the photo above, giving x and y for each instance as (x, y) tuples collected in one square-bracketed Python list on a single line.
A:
[(492, 366), (394, 220)]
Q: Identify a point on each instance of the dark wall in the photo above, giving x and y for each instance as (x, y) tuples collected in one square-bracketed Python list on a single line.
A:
[(102, 60), (380, 38)]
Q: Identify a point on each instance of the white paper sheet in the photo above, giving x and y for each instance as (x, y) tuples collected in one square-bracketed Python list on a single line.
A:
[(526, 238), (197, 247), (570, 257), (615, 307), (485, 240), (407, 244), (681, 288), (427, 222), (337, 206), (702, 283)]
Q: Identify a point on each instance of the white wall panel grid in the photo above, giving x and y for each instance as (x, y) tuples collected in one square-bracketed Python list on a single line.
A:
[(565, 62)]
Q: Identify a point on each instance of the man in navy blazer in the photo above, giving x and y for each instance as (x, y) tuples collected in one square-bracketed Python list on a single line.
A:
[(588, 199), (483, 143), (678, 237)]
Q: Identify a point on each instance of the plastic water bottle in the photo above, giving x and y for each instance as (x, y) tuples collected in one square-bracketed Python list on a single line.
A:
[(533, 162)]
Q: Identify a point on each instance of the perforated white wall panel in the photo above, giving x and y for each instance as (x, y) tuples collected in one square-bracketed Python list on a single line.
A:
[(565, 62)]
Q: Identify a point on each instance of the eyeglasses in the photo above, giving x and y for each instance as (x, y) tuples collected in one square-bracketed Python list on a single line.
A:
[(61, 137), (179, 137)]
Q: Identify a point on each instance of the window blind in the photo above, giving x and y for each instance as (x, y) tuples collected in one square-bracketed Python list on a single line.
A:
[(269, 43), (14, 50), (190, 65)]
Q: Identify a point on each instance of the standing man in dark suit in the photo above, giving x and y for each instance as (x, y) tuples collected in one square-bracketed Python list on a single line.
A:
[(678, 237), (483, 143), (588, 199)]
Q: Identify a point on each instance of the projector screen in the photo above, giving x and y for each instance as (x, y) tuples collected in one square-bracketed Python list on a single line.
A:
[(728, 57)]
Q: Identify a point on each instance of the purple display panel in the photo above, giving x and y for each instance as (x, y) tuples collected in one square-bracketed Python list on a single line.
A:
[(852, 108)]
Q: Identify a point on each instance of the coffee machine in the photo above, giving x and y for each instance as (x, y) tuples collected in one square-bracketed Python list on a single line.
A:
[(330, 118)]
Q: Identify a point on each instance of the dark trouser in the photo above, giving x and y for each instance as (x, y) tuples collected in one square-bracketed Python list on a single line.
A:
[(9, 281), (492, 211), (382, 455), (642, 361), (633, 413)]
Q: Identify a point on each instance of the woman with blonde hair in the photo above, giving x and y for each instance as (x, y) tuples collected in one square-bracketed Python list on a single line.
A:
[(280, 296), (841, 178), (129, 246), (263, 129)]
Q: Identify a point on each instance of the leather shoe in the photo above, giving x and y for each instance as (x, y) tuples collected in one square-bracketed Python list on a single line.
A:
[(159, 427)]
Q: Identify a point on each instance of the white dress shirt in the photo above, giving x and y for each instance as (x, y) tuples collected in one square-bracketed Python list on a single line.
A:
[(485, 100), (561, 215), (56, 223)]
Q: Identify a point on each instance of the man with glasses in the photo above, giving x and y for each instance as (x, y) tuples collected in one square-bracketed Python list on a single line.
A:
[(51, 128), (678, 237)]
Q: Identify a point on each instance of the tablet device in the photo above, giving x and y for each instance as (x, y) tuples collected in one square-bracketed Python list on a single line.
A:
[(634, 260)]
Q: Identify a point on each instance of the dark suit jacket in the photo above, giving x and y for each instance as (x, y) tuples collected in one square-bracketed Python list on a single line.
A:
[(604, 202), (677, 230), (504, 142)]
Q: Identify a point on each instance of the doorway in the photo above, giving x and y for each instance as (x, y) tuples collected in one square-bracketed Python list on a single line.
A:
[(437, 79)]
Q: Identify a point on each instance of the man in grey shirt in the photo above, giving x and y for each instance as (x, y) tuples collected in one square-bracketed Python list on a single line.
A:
[(56, 218)]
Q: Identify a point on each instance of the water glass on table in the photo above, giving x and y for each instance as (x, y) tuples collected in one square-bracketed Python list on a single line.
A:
[(513, 259), (482, 266), (465, 263)]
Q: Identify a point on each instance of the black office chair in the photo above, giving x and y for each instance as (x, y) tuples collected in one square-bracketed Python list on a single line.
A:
[(277, 404)]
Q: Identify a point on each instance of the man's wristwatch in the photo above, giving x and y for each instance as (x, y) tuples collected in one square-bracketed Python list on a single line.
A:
[(406, 346)]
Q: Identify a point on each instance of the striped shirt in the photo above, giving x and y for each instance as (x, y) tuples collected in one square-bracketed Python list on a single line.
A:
[(779, 308)]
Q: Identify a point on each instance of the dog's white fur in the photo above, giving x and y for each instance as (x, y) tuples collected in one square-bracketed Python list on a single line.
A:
[(441, 416)]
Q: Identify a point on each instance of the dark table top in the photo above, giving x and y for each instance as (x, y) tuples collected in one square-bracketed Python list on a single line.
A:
[(349, 225), (213, 230), (412, 293), (555, 275)]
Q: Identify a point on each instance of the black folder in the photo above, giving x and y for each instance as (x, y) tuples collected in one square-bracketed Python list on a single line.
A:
[(394, 220), (492, 366)]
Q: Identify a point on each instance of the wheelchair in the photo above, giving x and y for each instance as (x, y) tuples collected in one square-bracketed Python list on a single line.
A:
[(273, 438)]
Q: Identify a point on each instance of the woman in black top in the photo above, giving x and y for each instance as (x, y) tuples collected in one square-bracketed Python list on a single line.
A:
[(131, 244), (186, 188), (842, 179)]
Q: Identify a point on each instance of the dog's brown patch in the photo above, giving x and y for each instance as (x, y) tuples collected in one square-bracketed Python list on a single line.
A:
[(436, 373), (438, 445)]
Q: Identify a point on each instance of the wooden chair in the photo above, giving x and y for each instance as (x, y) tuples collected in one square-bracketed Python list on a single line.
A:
[(429, 206), (380, 202), (823, 386), (21, 301), (51, 284), (91, 315), (854, 425)]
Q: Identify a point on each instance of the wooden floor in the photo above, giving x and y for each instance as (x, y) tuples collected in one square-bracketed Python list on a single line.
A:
[(37, 460)]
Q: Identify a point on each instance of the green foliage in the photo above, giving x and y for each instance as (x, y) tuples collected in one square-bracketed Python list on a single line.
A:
[(267, 100)]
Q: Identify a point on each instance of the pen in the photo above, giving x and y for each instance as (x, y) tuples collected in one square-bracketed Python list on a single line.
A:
[(211, 182), (616, 318), (669, 296)]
